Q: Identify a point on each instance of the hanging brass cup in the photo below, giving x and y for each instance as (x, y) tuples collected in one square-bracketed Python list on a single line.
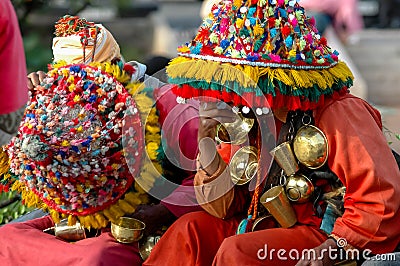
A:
[(285, 158), (299, 188), (235, 132), (311, 147), (243, 165), (278, 205)]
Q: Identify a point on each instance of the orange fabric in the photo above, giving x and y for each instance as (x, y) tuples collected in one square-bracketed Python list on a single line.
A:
[(216, 194), (276, 246), (199, 237), (360, 156), (192, 240)]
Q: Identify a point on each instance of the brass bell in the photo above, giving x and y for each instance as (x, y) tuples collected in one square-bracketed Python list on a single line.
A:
[(310, 147), (299, 188), (244, 165)]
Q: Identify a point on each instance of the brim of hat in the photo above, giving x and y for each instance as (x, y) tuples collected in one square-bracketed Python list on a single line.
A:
[(256, 86)]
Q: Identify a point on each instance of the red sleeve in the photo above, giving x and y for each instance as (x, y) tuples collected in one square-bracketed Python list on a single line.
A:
[(361, 157)]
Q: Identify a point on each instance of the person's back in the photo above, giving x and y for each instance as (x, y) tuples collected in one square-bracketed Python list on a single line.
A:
[(13, 85)]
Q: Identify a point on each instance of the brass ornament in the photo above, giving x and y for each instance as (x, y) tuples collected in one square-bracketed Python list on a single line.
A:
[(147, 246), (310, 146), (244, 165), (236, 132), (278, 205), (284, 156), (127, 230), (299, 188)]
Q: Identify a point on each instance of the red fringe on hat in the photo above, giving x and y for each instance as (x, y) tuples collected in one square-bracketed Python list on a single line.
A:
[(249, 99)]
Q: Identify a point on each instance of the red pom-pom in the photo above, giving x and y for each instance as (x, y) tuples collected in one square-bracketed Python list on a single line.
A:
[(286, 31), (271, 22), (323, 41), (203, 34), (207, 50), (129, 69)]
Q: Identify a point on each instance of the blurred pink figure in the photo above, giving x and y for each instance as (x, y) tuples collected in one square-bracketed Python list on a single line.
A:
[(344, 15)]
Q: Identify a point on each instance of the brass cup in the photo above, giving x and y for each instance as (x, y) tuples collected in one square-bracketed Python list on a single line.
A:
[(147, 246), (311, 147), (69, 232), (285, 158), (127, 230), (278, 205), (243, 165), (235, 132), (299, 188)]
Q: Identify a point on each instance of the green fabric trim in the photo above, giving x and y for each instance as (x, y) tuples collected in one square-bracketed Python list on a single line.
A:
[(266, 86)]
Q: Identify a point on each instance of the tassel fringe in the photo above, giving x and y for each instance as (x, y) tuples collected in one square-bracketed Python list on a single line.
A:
[(222, 79)]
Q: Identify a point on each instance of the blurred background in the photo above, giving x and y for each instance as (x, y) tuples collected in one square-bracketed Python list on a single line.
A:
[(146, 29)]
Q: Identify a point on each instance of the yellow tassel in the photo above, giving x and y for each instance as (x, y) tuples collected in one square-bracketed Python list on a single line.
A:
[(89, 221), (55, 216), (139, 188), (116, 211), (71, 220), (101, 220), (133, 198), (300, 80), (248, 76), (144, 198), (125, 207), (281, 74)]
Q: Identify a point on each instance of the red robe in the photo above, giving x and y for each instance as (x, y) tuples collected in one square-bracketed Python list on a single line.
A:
[(359, 155)]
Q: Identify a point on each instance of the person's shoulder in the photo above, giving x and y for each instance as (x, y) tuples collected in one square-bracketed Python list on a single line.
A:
[(346, 104)]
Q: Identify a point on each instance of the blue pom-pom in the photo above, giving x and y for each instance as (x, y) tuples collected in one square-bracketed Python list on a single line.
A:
[(224, 44), (289, 42), (283, 12), (75, 69), (92, 98), (243, 225), (273, 32), (251, 12)]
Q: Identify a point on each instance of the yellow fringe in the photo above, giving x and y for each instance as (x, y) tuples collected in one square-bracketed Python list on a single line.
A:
[(248, 76)]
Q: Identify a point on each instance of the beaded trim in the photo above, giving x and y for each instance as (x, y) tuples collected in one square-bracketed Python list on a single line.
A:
[(254, 64)]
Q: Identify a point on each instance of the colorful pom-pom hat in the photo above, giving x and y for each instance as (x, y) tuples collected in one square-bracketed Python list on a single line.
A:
[(259, 53), (80, 146)]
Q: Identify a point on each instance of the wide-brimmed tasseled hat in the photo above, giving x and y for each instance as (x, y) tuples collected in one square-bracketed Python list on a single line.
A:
[(80, 145), (259, 53)]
